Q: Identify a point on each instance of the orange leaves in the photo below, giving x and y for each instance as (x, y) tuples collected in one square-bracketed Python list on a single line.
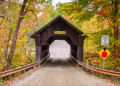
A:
[(1, 38), (71, 18), (15, 40), (104, 10)]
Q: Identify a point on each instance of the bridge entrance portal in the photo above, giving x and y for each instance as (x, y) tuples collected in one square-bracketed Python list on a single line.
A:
[(59, 29)]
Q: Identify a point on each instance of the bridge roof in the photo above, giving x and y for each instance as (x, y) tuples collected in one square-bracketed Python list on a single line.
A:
[(52, 22)]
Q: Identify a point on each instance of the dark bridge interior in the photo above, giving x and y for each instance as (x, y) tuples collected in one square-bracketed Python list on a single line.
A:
[(59, 29)]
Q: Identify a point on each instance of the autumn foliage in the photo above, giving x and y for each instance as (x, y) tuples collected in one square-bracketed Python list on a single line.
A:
[(93, 17), (31, 21), (104, 10), (96, 18)]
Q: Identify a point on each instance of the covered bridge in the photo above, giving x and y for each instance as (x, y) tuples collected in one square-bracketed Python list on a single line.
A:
[(59, 29)]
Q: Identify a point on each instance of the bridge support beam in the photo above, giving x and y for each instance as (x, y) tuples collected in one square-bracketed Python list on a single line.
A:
[(80, 48), (80, 53), (38, 48)]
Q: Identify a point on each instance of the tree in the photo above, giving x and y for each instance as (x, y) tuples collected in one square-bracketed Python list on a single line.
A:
[(84, 10), (34, 18), (24, 9)]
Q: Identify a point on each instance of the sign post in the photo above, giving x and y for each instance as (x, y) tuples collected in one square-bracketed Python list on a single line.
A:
[(104, 53), (103, 63)]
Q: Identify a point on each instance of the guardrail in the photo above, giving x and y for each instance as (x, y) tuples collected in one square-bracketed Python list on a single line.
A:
[(99, 70), (13, 71)]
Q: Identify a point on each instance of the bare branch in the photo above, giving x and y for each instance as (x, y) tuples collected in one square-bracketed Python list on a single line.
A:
[(30, 11), (108, 21), (34, 15), (2, 16), (9, 1), (27, 8)]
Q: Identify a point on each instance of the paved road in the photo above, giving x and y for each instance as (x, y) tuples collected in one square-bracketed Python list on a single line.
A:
[(61, 72)]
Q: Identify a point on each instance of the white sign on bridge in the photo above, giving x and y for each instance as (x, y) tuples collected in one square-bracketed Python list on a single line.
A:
[(105, 40)]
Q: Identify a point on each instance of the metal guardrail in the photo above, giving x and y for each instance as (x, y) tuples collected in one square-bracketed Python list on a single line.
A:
[(13, 71), (99, 70)]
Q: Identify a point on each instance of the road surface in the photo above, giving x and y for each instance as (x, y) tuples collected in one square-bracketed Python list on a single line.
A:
[(61, 72)]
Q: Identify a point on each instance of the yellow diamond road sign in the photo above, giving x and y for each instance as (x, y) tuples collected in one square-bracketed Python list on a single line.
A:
[(104, 53)]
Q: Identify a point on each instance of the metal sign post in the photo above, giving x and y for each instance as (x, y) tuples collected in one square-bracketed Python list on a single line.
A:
[(103, 63), (104, 53)]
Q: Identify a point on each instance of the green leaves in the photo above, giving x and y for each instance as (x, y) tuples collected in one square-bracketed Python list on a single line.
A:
[(86, 16), (84, 2)]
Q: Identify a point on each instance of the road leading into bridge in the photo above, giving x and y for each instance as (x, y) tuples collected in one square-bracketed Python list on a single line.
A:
[(61, 72)]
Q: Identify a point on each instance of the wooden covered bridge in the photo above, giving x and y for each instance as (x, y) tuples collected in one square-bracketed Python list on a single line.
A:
[(59, 29)]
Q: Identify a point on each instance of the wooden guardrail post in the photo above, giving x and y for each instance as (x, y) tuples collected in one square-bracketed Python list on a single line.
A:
[(89, 71), (23, 71), (13, 75), (104, 76), (107, 77), (8, 77), (94, 73)]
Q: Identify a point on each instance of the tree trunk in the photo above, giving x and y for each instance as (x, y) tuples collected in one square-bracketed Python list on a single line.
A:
[(6, 50), (22, 13), (116, 50), (13, 44), (115, 29)]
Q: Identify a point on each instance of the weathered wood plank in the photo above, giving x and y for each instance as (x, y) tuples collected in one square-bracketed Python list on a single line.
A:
[(38, 48)]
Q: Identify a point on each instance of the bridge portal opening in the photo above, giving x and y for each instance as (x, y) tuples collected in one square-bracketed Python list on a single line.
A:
[(59, 49)]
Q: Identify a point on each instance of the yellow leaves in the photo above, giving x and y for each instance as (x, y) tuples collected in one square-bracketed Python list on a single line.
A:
[(28, 25), (1, 20), (113, 64), (86, 61), (93, 25), (20, 58), (2, 64)]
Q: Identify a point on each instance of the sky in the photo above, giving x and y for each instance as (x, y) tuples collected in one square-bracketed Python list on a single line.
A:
[(57, 1), (62, 1)]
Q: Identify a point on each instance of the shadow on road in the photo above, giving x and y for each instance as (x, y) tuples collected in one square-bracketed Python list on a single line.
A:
[(59, 62)]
